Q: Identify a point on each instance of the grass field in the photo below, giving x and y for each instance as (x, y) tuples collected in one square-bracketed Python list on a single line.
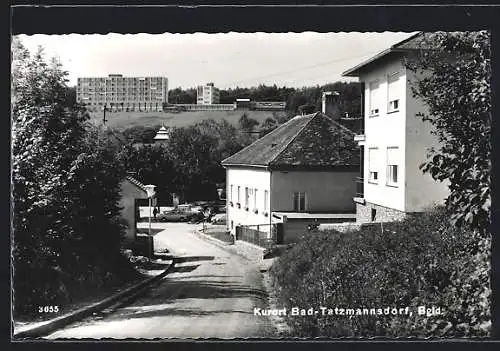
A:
[(122, 120)]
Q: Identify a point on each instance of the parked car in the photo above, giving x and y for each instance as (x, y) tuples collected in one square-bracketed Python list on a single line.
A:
[(175, 216)]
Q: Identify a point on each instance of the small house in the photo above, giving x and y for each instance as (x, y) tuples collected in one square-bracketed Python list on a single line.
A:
[(300, 174)]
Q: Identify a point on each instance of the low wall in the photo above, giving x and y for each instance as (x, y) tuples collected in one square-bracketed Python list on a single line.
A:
[(341, 227), (144, 245), (382, 214)]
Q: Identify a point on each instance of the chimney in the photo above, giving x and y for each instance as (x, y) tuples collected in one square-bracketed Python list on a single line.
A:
[(331, 104)]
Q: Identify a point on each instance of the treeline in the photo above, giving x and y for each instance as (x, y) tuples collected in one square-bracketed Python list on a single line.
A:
[(295, 97)]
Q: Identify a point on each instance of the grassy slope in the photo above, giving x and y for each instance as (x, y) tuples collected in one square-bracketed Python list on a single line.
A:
[(124, 120)]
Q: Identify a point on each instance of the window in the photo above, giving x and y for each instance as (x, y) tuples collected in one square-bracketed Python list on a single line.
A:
[(374, 103), (246, 197), (266, 199), (299, 201), (373, 165), (392, 165), (231, 193), (393, 91), (238, 195)]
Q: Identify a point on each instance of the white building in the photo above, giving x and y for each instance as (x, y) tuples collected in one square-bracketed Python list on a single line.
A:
[(395, 140), (299, 174), (119, 93), (207, 94)]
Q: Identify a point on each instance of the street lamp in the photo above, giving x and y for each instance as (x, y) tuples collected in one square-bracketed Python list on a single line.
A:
[(150, 189)]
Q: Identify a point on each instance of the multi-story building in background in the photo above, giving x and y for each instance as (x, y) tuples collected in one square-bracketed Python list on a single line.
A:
[(207, 94), (119, 93)]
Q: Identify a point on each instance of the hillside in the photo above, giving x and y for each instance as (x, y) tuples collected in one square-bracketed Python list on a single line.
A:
[(122, 120)]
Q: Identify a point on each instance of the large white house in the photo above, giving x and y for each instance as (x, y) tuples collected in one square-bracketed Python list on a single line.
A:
[(301, 173), (395, 140)]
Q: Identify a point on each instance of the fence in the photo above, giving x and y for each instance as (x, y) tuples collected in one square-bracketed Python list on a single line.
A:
[(201, 107), (259, 234)]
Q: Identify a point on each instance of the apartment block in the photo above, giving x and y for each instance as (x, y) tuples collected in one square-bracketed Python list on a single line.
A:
[(119, 93), (207, 94)]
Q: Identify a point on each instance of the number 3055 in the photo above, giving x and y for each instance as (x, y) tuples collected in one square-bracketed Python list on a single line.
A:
[(48, 309)]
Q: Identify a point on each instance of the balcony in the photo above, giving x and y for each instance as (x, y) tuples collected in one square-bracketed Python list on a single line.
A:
[(359, 138), (357, 125)]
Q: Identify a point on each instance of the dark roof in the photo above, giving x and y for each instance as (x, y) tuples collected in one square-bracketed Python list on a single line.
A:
[(418, 41), (313, 140)]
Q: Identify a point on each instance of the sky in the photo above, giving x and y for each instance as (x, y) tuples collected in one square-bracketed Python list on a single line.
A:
[(226, 59)]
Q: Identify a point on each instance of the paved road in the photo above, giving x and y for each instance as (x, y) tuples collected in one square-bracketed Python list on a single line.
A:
[(211, 293)]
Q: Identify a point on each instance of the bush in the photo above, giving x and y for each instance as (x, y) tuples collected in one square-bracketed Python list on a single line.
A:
[(421, 261)]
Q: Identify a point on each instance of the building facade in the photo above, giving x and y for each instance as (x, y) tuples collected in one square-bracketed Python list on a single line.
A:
[(119, 93), (394, 141), (301, 173), (207, 94), (131, 191)]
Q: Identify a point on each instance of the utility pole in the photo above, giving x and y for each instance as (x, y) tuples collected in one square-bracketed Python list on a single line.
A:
[(104, 115)]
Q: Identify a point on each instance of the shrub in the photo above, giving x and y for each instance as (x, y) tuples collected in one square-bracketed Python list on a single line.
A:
[(421, 261)]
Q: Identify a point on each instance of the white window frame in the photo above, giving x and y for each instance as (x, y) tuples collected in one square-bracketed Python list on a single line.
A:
[(300, 195), (393, 102), (374, 101), (373, 171), (391, 163)]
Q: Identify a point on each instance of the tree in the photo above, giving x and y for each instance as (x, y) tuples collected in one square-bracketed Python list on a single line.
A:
[(66, 179), (152, 164), (267, 126), (141, 134), (461, 115), (246, 123), (306, 109)]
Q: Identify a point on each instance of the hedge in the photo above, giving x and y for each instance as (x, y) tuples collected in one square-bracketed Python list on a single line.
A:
[(420, 261)]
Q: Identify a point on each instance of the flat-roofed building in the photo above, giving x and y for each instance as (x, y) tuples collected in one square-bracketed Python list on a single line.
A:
[(207, 94), (119, 93)]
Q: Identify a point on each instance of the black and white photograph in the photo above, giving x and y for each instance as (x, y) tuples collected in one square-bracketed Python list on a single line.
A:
[(258, 185)]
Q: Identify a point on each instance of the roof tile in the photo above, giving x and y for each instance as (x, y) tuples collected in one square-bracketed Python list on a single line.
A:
[(310, 140)]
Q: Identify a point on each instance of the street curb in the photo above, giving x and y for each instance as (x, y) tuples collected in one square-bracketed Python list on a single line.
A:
[(220, 242), (71, 317), (224, 246)]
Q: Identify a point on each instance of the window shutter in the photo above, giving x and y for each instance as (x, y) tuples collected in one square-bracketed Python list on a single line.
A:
[(374, 103), (373, 159), (393, 87), (302, 205), (393, 156)]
